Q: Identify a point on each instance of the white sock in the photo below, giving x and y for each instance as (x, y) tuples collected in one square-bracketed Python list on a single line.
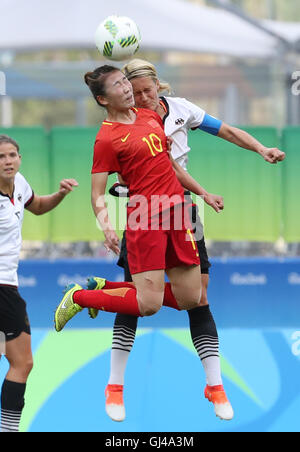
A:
[(123, 340), (212, 368), (118, 364)]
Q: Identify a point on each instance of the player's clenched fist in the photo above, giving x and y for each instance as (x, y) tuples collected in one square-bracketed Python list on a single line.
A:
[(273, 155)]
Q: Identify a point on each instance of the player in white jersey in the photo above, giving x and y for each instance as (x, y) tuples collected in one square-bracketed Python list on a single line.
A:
[(179, 116), (15, 196)]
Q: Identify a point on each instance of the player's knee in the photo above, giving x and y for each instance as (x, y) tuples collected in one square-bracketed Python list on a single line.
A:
[(28, 366), (204, 284), (22, 367), (193, 303), (149, 301), (149, 305), (192, 299), (147, 310)]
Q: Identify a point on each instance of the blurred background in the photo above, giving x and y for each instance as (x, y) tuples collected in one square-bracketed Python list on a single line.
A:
[(237, 60), (240, 61)]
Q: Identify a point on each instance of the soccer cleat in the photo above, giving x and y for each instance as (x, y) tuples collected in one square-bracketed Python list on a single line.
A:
[(114, 405), (67, 309), (217, 396), (94, 283)]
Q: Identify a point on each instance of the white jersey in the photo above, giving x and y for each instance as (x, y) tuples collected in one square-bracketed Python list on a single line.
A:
[(11, 219), (181, 116)]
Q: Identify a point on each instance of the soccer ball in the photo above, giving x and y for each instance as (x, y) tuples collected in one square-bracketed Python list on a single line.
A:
[(117, 38)]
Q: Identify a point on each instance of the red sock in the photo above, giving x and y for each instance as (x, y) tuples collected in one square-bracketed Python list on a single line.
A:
[(117, 285), (122, 300), (169, 299)]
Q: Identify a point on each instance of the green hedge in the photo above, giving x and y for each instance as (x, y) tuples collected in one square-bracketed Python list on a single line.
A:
[(261, 200)]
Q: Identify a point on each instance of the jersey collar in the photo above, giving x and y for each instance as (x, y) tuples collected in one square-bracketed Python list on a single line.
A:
[(12, 200), (164, 103)]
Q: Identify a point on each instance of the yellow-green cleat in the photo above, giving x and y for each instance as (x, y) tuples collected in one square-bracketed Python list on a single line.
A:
[(67, 309), (95, 283)]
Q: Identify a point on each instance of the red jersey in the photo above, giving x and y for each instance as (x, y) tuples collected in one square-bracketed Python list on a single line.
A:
[(138, 152)]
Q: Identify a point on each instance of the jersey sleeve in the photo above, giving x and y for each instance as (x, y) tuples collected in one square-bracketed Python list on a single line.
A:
[(105, 158), (196, 114), (27, 203), (28, 194)]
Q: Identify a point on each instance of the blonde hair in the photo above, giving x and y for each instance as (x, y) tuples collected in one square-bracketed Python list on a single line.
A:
[(142, 68)]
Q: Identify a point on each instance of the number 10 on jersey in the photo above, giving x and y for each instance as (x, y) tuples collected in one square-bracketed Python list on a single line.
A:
[(154, 144)]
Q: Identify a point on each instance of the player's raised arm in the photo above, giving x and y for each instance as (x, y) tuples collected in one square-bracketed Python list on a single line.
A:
[(247, 141), (43, 204)]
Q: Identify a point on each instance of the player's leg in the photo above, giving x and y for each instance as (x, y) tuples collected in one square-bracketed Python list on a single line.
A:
[(124, 330), (149, 293), (185, 282), (123, 333), (151, 285), (146, 250), (202, 325), (203, 328), (206, 342), (182, 262), (123, 339), (96, 283), (143, 300), (15, 325), (19, 356)]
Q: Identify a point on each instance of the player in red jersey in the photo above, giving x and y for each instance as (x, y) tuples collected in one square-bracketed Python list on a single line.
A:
[(132, 142), (179, 117)]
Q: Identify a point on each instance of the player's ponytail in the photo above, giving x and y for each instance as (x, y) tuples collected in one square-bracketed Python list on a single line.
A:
[(88, 77), (142, 68), (96, 80)]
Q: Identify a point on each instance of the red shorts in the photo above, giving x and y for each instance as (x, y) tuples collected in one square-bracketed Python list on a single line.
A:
[(162, 248)]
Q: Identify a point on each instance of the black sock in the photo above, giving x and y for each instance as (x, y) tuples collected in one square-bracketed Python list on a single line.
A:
[(204, 332), (12, 404), (124, 332), (125, 325)]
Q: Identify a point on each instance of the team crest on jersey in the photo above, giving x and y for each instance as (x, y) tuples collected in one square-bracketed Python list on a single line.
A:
[(2, 207), (153, 123), (179, 121), (19, 197)]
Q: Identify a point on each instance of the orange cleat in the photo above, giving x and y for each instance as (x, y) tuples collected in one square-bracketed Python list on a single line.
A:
[(217, 396), (114, 405)]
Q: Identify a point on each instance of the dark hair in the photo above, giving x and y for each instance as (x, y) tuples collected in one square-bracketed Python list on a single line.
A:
[(96, 80), (7, 139)]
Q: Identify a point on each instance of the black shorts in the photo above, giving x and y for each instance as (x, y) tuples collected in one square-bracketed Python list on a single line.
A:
[(13, 315), (198, 230)]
